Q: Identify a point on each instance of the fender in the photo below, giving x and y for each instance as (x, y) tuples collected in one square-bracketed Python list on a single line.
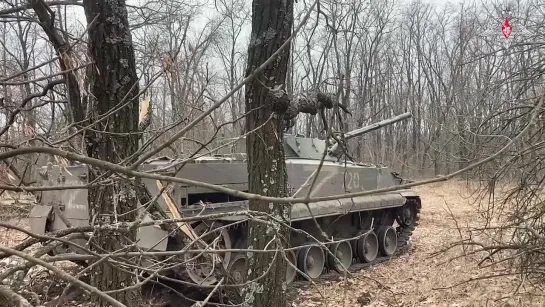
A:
[(39, 216), (408, 193)]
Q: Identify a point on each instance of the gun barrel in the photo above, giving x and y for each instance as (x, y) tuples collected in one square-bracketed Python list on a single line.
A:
[(377, 126), (373, 127)]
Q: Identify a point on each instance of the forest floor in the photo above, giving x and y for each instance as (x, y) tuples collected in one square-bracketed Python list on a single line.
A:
[(421, 277), (425, 276)]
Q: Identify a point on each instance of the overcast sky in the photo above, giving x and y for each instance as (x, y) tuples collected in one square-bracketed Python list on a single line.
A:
[(79, 15)]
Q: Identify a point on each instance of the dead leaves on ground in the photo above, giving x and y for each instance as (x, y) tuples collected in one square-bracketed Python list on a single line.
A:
[(418, 279)]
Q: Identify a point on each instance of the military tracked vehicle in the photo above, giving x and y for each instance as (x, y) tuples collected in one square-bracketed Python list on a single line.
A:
[(381, 224)]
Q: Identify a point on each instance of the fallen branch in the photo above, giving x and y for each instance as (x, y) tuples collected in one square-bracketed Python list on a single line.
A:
[(10, 298), (63, 275)]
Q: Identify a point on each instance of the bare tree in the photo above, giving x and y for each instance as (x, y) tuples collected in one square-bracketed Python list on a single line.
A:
[(469, 97), (114, 89), (266, 161)]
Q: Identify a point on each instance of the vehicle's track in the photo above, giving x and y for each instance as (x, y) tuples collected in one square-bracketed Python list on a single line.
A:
[(403, 246)]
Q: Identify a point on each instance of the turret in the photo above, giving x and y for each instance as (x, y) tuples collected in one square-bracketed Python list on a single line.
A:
[(313, 148)]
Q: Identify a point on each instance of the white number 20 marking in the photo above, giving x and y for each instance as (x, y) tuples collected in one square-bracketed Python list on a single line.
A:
[(352, 180)]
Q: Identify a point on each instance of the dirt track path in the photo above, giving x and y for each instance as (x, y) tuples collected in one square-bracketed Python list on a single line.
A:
[(418, 278)]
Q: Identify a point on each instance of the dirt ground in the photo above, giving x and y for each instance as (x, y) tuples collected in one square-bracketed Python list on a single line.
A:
[(419, 278), (423, 277)]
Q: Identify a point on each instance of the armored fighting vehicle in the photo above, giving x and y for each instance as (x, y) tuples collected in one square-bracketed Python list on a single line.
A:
[(367, 229)]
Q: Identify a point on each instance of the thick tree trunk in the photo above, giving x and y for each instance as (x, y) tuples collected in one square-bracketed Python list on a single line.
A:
[(271, 27), (113, 79)]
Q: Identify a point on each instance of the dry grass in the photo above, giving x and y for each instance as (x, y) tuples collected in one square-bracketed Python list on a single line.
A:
[(423, 277)]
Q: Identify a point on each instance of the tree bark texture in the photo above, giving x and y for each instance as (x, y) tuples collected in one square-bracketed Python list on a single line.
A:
[(271, 26), (113, 80)]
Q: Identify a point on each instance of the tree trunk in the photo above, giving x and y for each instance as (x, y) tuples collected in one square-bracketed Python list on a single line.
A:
[(271, 26), (112, 78)]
